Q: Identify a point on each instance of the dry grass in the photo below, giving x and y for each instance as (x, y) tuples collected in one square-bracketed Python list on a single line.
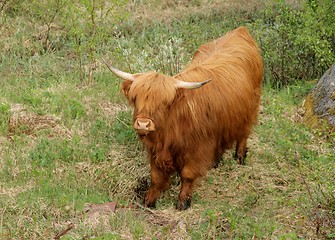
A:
[(171, 10), (24, 122)]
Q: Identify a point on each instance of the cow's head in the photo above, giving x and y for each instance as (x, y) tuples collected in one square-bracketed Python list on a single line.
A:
[(151, 94)]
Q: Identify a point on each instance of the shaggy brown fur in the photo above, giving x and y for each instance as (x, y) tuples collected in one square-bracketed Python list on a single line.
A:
[(192, 128)]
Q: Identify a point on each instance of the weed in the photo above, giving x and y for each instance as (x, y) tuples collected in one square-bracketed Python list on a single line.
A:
[(123, 129)]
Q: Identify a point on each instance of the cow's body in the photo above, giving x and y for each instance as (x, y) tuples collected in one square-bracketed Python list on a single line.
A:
[(187, 130)]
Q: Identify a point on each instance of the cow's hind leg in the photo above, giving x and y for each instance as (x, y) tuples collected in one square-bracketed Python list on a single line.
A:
[(220, 148), (217, 158), (241, 151), (160, 181)]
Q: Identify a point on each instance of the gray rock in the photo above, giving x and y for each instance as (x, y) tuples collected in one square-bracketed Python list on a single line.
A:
[(323, 95)]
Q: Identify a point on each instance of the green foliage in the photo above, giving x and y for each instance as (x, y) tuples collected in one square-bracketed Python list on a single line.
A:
[(78, 28), (101, 142), (89, 24), (123, 129), (292, 48), (74, 109), (47, 152), (318, 31), (166, 47)]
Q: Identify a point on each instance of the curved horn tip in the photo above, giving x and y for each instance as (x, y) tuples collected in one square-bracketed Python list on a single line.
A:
[(119, 73), (206, 81), (191, 85)]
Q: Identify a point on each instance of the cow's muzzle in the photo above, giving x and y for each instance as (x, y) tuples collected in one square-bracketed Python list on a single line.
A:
[(144, 125)]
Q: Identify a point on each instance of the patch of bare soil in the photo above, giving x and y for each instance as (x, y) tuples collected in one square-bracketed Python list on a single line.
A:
[(110, 109), (12, 192), (24, 122)]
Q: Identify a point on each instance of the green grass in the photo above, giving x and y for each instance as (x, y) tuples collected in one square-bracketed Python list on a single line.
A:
[(66, 141)]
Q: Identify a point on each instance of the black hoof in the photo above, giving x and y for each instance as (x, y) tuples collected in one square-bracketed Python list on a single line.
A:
[(150, 205), (183, 205), (240, 158), (216, 163), (240, 161)]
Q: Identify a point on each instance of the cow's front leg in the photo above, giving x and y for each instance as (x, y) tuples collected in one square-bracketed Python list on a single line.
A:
[(160, 181), (185, 195)]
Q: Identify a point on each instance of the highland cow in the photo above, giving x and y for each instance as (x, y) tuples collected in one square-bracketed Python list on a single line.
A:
[(187, 121)]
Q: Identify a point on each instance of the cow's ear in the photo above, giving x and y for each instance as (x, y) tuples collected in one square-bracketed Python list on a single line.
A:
[(125, 87)]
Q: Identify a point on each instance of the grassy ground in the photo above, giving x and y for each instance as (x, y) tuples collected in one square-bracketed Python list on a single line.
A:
[(66, 143)]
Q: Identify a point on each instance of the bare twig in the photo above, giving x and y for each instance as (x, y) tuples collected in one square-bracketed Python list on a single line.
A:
[(62, 233)]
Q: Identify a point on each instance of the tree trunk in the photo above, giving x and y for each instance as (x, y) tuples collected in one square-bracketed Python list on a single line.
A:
[(319, 105)]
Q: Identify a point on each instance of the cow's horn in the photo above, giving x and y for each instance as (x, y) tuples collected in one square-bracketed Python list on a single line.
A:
[(191, 85), (119, 73)]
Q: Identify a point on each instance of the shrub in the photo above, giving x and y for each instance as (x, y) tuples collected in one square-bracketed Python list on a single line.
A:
[(75, 29), (296, 42)]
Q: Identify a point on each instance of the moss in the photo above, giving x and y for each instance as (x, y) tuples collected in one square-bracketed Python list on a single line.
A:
[(310, 117), (333, 96), (332, 111), (320, 102)]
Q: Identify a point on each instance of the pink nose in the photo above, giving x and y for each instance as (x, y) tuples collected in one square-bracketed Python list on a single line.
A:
[(144, 124)]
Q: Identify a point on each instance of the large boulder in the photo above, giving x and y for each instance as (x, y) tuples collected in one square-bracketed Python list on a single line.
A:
[(319, 105)]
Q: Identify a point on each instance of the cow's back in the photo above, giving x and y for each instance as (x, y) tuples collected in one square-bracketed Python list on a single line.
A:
[(235, 45), (228, 106)]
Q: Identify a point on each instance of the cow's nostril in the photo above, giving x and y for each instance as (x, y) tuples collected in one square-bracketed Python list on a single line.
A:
[(144, 124)]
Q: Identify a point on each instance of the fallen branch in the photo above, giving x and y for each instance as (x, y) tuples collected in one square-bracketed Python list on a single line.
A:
[(62, 233)]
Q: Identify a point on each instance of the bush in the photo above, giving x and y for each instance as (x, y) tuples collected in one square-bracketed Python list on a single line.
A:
[(297, 43), (75, 29)]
